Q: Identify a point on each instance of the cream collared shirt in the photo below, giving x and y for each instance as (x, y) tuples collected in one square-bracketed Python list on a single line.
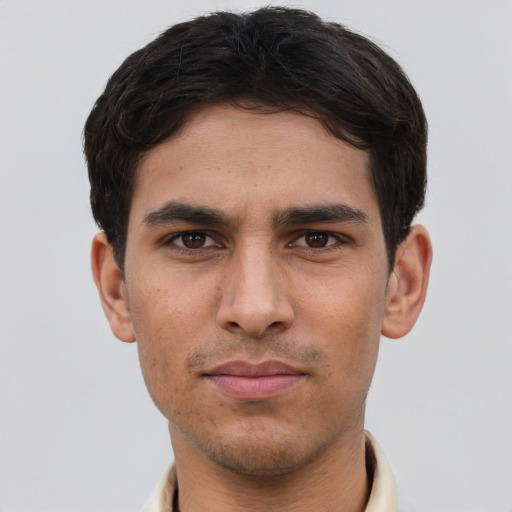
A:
[(383, 495)]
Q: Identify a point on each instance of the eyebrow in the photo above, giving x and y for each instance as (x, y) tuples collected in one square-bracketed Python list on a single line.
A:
[(174, 211), (320, 213), (206, 216)]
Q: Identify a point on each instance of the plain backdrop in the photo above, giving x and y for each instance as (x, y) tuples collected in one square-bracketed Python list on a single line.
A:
[(78, 430)]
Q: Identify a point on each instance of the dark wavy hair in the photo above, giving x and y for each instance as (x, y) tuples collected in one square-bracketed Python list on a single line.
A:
[(278, 58)]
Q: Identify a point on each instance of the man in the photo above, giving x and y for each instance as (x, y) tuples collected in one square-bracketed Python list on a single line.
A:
[(255, 178)]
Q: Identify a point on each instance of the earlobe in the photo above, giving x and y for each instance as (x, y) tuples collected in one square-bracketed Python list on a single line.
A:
[(407, 286), (111, 288)]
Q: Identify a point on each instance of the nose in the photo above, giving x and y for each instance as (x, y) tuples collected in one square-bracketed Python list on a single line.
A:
[(254, 295)]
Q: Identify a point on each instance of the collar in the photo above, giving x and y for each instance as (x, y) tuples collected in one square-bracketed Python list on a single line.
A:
[(383, 494)]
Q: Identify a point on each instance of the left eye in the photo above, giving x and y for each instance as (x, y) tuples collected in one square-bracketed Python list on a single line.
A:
[(316, 240), (193, 240)]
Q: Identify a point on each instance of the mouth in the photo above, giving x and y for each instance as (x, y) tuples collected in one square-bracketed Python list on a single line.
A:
[(255, 382)]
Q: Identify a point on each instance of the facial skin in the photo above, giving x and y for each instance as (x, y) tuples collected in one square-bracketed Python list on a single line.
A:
[(254, 238)]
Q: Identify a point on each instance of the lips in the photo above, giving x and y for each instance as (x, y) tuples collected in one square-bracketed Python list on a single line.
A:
[(255, 382)]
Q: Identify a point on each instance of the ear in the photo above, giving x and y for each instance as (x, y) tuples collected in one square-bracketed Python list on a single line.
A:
[(111, 287), (407, 286)]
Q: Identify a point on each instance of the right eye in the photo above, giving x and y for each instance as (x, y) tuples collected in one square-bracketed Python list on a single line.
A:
[(192, 240)]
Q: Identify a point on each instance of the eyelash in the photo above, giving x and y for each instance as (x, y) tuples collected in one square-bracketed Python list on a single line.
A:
[(339, 241), (187, 250)]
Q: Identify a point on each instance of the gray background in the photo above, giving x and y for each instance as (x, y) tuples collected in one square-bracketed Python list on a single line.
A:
[(78, 431)]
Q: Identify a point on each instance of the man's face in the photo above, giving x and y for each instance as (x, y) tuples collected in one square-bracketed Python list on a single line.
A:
[(256, 277)]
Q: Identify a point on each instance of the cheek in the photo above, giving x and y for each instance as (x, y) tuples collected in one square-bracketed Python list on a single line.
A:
[(165, 310), (167, 331), (346, 318), (347, 308)]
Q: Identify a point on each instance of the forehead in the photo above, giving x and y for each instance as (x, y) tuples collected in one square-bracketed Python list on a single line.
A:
[(229, 158)]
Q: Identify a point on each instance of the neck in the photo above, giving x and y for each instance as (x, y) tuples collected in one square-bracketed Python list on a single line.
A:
[(336, 480)]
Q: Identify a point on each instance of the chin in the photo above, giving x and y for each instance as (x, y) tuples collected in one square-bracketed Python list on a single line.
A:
[(267, 462), (264, 455)]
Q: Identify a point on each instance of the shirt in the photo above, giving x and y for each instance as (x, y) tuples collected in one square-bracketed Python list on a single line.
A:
[(383, 494)]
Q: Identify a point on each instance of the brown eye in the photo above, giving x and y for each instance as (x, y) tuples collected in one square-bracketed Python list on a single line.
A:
[(194, 240), (316, 240)]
